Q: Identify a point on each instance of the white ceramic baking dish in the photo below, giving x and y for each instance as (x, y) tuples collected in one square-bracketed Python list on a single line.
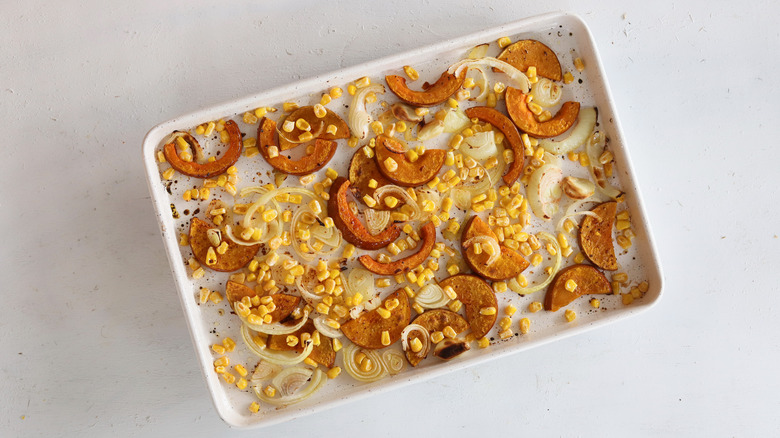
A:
[(569, 37)]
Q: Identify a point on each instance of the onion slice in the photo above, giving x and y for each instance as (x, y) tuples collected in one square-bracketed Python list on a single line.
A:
[(399, 192), (544, 191), (394, 361), (264, 370), (523, 83), (586, 123), (376, 220), (571, 212), (480, 146), (490, 240), (546, 92), (325, 329), (316, 382), (431, 296), (424, 336), (276, 357), (354, 369), (359, 119), (515, 286), (594, 147)]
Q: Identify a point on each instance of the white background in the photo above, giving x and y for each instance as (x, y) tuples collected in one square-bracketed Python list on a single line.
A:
[(94, 342)]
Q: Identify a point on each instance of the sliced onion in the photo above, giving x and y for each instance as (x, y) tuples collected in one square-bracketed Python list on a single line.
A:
[(361, 280), (311, 297), (478, 51), (359, 118), (571, 212), (330, 236), (276, 328), (372, 304), (394, 361), (515, 286), (292, 379), (376, 372), (482, 83), (431, 296), (325, 329), (316, 382), (455, 121), (355, 311), (236, 240), (544, 191), (586, 122), (376, 220), (594, 147), (546, 92), (431, 129), (425, 339), (265, 370), (480, 146), (493, 175), (296, 243), (489, 240), (399, 192), (426, 194), (461, 198), (276, 357), (524, 85)]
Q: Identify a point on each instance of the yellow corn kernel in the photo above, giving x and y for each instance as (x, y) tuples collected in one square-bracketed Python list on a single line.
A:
[(499, 287), (579, 64), (536, 259), (306, 136), (222, 361), (385, 338), (491, 101), (570, 315), (363, 82), (487, 311), (505, 322), (622, 225), (437, 337), (568, 78), (382, 282), (643, 286), (334, 372), (525, 325), (456, 141), (535, 307), (269, 390), (505, 334), (627, 299), (571, 285), (483, 342), (390, 164), (241, 383), (595, 303), (623, 241), (635, 292), (411, 72), (254, 407), (219, 349), (229, 378), (535, 108), (390, 201), (168, 174), (198, 273), (504, 41)]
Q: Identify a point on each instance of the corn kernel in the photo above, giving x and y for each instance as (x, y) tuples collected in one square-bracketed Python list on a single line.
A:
[(411, 72), (437, 337), (535, 307), (579, 64), (483, 342), (627, 299), (595, 303), (385, 338), (505, 323), (504, 41), (487, 311), (254, 407), (525, 325), (571, 285), (568, 78), (570, 315)]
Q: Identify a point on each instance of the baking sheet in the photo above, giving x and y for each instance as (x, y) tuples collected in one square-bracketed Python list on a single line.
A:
[(569, 37)]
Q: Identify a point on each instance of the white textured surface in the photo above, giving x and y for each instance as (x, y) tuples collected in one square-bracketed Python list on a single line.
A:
[(94, 341)]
